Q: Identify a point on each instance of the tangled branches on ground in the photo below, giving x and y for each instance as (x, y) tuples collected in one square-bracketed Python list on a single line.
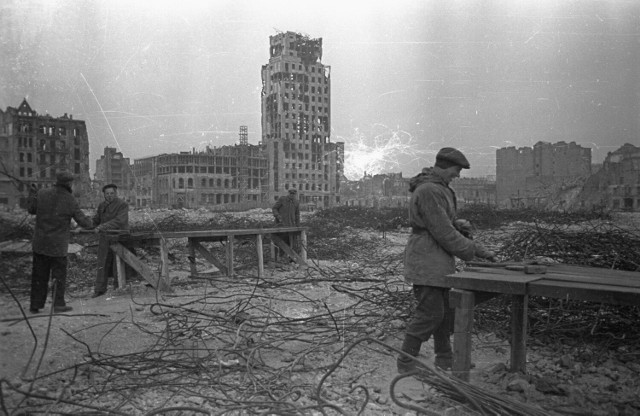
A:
[(596, 245)]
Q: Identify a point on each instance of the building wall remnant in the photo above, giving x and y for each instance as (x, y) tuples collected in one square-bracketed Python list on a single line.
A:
[(616, 185), (385, 190), (34, 147), (296, 122), (475, 190), (534, 176)]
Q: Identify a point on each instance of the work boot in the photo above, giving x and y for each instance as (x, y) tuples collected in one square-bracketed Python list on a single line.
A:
[(410, 345), (443, 363), (96, 294), (60, 309)]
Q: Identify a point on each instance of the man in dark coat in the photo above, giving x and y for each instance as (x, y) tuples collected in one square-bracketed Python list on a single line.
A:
[(287, 210), (435, 239), (54, 208), (112, 215)]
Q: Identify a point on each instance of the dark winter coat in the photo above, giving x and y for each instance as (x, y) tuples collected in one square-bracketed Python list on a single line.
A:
[(287, 211), (54, 208), (112, 215), (434, 241)]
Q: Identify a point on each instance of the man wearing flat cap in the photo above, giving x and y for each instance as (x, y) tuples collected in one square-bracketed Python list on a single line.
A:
[(54, 208), (429, 255), (112, 215)]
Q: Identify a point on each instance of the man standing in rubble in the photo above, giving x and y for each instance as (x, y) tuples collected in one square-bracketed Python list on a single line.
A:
[(287, 210), (429, 255), (54, 208), (287, 213), (112, 215)]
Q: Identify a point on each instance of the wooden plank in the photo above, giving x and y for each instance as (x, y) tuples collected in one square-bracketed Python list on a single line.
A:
[(303, 245), (495, 280), (519, 310), (462, 330), (272, 248), (594, 271), (230, 239), (609, 279), (103, 251), (211, 233), (285, 247), (144, 270), (209, 257), (164, 260), (193, 268), (613, 295), (260, 255)]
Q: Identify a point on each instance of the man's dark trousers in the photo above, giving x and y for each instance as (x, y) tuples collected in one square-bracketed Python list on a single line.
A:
[(43, 268)]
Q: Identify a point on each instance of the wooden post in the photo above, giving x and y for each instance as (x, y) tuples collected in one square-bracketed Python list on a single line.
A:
[(260, 259), (464, 302), (230, 255), (164, 260), (120, 271), (519, 309), (272, 248), (192, 258), (303, 245), (103, 251)]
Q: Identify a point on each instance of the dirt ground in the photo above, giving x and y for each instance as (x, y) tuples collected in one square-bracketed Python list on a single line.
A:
[(268, 346)]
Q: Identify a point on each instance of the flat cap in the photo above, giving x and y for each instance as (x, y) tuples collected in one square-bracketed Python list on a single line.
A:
[(293, 191), (454, 156), (64, 177)]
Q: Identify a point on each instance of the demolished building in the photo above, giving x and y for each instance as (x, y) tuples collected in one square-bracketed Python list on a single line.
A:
[(540, 176), (616, 185), (296, 122), (34, 147)]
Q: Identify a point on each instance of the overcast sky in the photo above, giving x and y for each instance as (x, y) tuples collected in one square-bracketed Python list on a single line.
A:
[(408, 77)]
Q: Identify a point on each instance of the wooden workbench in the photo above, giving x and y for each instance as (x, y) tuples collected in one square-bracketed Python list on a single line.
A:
[(281, 237), (478, 284)]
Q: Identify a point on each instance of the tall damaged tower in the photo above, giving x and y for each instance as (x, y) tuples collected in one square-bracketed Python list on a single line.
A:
[(296, 122)]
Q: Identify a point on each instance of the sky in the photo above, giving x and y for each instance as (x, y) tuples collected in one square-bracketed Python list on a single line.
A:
[(407, 77)]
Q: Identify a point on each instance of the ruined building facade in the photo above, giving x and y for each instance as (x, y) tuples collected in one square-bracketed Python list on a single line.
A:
[(616, 185), (224, 177), (296, 122), (535, 176), (34, 147), (114, 168)]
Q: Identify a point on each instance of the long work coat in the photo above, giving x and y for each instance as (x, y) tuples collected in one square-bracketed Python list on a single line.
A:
[(434, 241), (54, 208), (112, 215), (287, 209)]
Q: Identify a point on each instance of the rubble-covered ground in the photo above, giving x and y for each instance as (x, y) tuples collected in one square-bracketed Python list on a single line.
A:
[(317, 339)]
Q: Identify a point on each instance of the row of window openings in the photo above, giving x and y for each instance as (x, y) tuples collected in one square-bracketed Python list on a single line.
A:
[(219, 183), (293, 66), (42, 173), (300, 97), (307, 187), (28, 157), (223, 198), (60, 144), (48, 130), (206, 169)]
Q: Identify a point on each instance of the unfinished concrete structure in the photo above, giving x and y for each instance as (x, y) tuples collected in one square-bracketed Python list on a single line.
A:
[(533, 176), (616, 185), (296, 122), (215, 178), (34, 147)]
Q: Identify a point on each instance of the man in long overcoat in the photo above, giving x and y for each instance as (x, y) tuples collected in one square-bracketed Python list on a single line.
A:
[(429, 255), (54, 208)]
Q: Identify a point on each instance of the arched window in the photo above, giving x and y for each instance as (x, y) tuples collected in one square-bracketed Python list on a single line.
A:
[(203, 183), (190, 183), (226, 183), (219, 183), (210, 183), (181, 183)]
